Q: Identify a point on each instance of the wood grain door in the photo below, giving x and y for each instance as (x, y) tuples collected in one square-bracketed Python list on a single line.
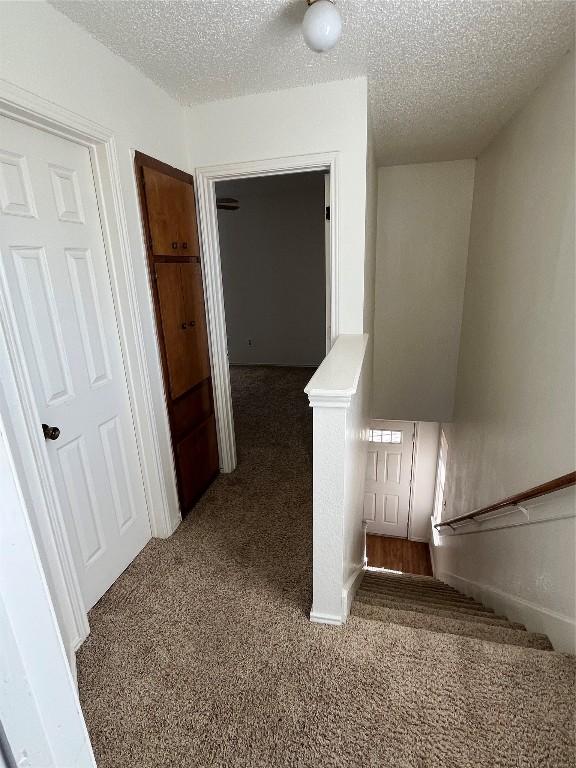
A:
[(169, 213)]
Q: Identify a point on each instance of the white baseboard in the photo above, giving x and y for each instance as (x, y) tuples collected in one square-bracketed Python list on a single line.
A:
[(561, 629), (349, 590), (325, 618), (433, 561)]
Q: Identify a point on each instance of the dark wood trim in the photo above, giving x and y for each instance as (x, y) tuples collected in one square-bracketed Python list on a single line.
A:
[(141, 160), (565, 481)]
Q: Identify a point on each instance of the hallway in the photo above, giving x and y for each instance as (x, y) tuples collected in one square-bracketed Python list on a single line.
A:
[(202, 655)]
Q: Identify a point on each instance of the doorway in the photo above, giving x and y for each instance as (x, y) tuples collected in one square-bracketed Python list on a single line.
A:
[(206, 181), (273, 261), (57, 288), (272, 252), (399, 494)]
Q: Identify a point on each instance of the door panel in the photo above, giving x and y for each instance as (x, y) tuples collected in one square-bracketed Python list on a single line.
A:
[(38, 304), (162, 203), (388, 478), (195, 319), (171, 215), (53, 255), (187, 227), (90, 321), (169, 284), (183, 324), (197, 458)]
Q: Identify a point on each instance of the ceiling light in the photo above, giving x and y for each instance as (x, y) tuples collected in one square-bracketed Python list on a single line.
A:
[(322, 25)]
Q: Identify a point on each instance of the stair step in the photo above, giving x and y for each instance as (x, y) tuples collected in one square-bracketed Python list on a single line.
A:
[(433, 602), (414, 582), (475, 616), (402, 575), (505, 635), (407, 578), (456, 597)]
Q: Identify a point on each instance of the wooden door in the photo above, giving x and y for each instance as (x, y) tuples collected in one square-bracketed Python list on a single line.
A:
[(169, 213)]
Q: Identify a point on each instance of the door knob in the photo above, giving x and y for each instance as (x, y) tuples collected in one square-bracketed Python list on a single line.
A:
[(50, 433), (174, 245), (183, 326)]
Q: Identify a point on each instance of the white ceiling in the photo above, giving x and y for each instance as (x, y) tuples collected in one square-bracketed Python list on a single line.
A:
[(443, 75)]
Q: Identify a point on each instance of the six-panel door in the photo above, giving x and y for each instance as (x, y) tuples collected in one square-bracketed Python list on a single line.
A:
[(56, 273)]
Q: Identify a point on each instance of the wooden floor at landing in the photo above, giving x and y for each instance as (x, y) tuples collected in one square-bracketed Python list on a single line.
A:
[(398, 554)]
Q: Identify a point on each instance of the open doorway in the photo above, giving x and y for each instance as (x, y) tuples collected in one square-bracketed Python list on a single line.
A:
[(272, 253), (273, 262), (206, 181), (399, 495)]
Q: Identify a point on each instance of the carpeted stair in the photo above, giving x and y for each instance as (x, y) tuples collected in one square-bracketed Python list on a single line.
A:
[(422, 602)]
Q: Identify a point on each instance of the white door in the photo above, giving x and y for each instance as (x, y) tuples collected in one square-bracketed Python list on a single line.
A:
[(55, 272), (389, 477)]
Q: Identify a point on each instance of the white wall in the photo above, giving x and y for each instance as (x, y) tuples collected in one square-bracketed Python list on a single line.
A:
[(273, 269), (354, 479), (330, 117), (514, 421), (422, 246), (424, 480), (371, 222)]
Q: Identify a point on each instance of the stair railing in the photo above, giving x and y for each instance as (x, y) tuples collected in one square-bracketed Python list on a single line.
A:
[(559, 483)]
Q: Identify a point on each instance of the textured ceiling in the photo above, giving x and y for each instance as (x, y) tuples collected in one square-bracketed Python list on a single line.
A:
[(443, 76)]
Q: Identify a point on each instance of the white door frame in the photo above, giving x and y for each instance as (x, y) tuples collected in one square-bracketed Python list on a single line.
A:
[(206, 179), (21, 417)]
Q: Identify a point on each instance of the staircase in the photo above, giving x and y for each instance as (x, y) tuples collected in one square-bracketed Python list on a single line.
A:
[(423, 602)]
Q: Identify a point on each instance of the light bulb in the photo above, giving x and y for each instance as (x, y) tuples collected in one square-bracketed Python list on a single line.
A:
[(322, 26)]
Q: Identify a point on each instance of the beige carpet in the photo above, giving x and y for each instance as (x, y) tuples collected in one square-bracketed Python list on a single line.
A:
[(202, 655)]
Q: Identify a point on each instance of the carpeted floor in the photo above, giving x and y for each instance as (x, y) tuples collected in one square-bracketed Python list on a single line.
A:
[(201, 654)]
